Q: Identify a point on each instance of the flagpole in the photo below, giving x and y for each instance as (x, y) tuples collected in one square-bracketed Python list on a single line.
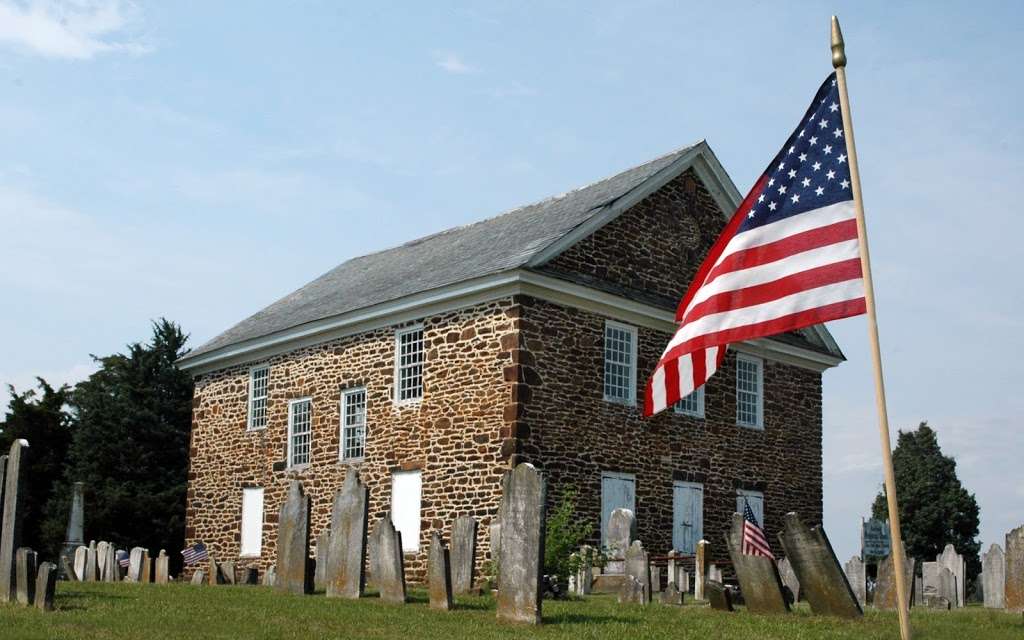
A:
[(839, 62)]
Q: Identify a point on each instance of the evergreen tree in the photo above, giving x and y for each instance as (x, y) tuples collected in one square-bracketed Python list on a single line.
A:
[(39, 416), (935, 509), (130, 445)]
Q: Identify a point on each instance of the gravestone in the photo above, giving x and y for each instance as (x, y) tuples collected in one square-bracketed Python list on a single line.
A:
[(918, 591), (293, 575), (817, 570), (15, 489), (718, 595), (46, 584), (213, 572), (323, 541), (885, 587), (857, 578), (147, 567), (346, 554), (227, 571), (440, 574), (199, 577), (758, 576), (789, 579), (953, 561), (162, 567), (66, 569), (947, 585), (672, 568), (81, 556), (1013, 591), (621, 533), (935, 601), (521, 560), (25, 576), (135, 559), (930, 578), (585, 573), (715, 573), (672, 595), (993, 577), (655, 580), (700, 570), (76, 519), (111, 568), (494, 532), (463, 554), (388, 562), (638, 570), (92, 563), (250, 576), (101, 560), (270, 576)]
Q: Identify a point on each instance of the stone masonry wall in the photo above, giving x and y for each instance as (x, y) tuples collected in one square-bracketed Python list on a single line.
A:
[(454, 434)]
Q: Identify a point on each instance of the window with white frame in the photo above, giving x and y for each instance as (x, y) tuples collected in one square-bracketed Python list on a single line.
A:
[(619, 363), (353, 424), (252, 521), (409, 365), (749, 391), (406, 489), (692, 405), (259, 377), (756, 501), (300, 431)]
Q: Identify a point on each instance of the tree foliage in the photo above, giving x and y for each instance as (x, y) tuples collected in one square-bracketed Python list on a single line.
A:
[(935, 509), (564, 534)]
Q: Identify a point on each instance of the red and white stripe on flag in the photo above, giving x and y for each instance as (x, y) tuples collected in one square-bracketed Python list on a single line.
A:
[(754, 542), (788, 258)]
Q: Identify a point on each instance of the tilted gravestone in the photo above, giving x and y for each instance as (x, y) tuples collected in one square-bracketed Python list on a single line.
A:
[(323, 541), (953, 561), (199, 577), (76, 518), (81, 555), (823, 583), (718, 595), (857, 577), (1013, 592), (463, 554), (700, 570), (993, 577), (885, 586), (293, 575), (25, 578), (439, 571), (135, 559), (521, 561), (162, 568), (672, 595), (92, 573), (389, 562), (758, 576), (46, 584), (621, 534), (227, 571), (15, 489), (638, 568), (789, 579), (346, 555)]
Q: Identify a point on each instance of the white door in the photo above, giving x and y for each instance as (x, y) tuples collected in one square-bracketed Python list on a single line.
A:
[(618, 491), (756, 501), (252, 522), (406, 489), (687, 515)]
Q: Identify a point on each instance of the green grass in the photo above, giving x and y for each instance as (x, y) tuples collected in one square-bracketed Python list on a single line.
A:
[(121, 611)]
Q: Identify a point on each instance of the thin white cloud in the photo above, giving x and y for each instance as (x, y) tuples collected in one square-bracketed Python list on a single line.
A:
[(451, 62), (70, 29)]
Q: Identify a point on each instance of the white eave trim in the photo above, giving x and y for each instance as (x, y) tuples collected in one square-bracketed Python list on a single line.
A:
[(473, 292)]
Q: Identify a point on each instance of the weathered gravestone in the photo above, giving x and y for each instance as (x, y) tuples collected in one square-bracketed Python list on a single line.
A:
[(993, 577), (885, 586), (346, 554), (147, 567), (15, 489), (323, 542), (758, 576), (92, 563), (66, 569), (494, 533), (918, 592), (111, 568), (46, 584), (227, 571), (857, 577), (463, 554), (440, 575), (293, 574), (521, 561), (700, 574), (25, 576), (585, 572), (621, 533), (135, 559), (76, 518), (953, 561), (81, 555), (672, 595), (636, 588), (270, 576), (162, 568), (947, 585), (718, 595), (213, 572), (655, 580), (101, 560), (199, 577), (388, 562), (789, 579), (817, 570), (1013, 592)]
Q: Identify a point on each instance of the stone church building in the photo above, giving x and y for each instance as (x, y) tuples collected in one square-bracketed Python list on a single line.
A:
[(433, 366)]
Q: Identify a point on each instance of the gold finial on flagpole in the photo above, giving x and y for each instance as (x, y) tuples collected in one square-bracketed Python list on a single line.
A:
[(838, 46)]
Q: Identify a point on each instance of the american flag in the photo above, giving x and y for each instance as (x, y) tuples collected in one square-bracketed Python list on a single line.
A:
[(754, 542), (789, 258), (195, 553), (123, 558)]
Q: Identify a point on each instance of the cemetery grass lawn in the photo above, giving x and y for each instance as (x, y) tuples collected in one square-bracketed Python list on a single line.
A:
[(121, 611)]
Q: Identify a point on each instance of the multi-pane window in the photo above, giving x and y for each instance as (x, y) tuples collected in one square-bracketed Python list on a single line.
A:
[(619, 363), (258, 379), (692, 405), (409, 365), (353, 424), (300, 431), (749, 391)]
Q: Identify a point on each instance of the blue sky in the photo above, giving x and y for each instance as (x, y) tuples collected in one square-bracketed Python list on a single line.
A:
[(199, 160)]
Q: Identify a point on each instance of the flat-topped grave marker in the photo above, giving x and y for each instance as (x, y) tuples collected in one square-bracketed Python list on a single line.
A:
[(463, 554)]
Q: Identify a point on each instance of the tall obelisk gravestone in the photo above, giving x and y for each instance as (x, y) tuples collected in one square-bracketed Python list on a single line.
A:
[(76, 519), (10, 534)]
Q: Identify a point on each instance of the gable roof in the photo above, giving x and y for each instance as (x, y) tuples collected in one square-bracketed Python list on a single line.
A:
[(523, 237)]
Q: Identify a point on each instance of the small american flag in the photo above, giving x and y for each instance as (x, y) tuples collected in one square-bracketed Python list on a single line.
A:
[(123, 558), (754, 542), (195, 553), (789, 258)]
